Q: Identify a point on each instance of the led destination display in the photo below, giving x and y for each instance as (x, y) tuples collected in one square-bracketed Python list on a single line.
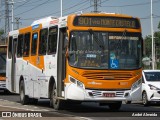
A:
[(110, 22)]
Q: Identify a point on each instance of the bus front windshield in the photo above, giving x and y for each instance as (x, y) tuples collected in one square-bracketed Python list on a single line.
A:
[(105, 50)]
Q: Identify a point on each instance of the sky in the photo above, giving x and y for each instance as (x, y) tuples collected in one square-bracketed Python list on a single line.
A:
[(30, 10)]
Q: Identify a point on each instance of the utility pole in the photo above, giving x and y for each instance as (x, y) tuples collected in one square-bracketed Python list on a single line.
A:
[(61, 8), (153, 51), (12, 7), (7, 28), (96, 3), (12, 14)]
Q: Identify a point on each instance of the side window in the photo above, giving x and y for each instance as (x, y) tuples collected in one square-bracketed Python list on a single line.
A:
[(52, 41), (26, 45), (20, 46), (43, 42), (10, 47), (34, 43)]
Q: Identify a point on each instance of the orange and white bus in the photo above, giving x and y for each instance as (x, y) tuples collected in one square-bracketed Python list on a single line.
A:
[(83, 57), (3, 52)]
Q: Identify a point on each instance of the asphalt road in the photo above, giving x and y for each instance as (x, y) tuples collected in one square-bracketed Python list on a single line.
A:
[(82, 111)]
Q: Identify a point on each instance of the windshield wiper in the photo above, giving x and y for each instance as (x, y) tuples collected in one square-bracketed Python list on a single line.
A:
[(124, 34), (99, 42)]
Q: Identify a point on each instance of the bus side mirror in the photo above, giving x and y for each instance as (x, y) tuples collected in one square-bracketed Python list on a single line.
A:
[(67, 54), (65, 46), (142, 48)]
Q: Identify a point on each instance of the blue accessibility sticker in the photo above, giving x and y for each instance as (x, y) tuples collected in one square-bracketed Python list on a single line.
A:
[(114, 64)]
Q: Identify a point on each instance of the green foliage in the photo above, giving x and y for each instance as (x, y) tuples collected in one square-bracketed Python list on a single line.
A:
[(1, 32), (159, 26), (157, 38), (158, 65), (148, 45)]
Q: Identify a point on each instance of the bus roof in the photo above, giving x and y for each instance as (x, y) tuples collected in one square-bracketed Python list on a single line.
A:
[(52, 20), (104, 13), (44, 20)]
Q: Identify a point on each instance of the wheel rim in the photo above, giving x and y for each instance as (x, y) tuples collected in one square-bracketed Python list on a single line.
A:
[(22, 94), (55, 101), (144, 98)]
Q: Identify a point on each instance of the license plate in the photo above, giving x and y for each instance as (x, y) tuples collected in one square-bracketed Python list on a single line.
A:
[(109, 94)]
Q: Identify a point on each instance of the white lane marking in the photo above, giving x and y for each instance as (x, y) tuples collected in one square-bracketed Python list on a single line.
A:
[(43, 110), (22, 108), (85, 118)]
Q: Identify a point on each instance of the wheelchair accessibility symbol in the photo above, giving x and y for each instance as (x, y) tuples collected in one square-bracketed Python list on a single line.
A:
[(114, 64), (113, 61)]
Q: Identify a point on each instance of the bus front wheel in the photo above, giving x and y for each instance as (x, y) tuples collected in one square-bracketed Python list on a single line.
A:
[(23, 98), (54, 101)]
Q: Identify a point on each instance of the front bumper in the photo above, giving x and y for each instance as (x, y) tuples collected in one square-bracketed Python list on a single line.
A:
[(153, 96), (3, 84), (73, 92)]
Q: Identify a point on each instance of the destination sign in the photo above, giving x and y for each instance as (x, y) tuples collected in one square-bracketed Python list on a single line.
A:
[(110, 22)]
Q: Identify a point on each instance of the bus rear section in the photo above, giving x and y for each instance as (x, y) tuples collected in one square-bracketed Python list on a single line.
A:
[(3, 52)]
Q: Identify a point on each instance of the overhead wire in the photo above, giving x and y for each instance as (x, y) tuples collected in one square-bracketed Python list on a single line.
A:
[(46, 2), (21, 5), (80, 3), (129, 5), (57, 11), (32, 4), (17, 6)]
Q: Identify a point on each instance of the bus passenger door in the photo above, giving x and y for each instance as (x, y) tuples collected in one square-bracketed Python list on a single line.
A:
[(13, 65), (61, 62)]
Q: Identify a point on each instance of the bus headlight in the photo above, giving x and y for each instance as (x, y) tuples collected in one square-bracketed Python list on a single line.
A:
[(76, 82), (136, 84)]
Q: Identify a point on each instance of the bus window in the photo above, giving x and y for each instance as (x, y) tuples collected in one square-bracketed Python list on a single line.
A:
[(10, 47), (43, 41), (20, 46), (34, 43), (52, 41), (26, 44)]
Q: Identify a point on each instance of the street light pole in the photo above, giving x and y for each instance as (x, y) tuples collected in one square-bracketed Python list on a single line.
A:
[(61, 8), (12, 15), (12, 6), (153, 56)]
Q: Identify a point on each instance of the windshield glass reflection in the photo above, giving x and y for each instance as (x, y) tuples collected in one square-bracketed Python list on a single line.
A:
[(103, 50)]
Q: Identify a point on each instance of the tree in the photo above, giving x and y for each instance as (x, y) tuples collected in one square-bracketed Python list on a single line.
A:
[(1, 36), (148, 42), (159, 25), (1, 32), (157, 40), (148, 45)]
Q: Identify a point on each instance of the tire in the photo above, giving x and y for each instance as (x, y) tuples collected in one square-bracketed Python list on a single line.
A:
[(23, 98), (33, 101), (145, 99), (128, 102), (115, 106), (7, 92), (54, 102)]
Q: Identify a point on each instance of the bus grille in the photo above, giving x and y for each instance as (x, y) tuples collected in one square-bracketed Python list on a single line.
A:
[(100, 93), (108, 75)]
